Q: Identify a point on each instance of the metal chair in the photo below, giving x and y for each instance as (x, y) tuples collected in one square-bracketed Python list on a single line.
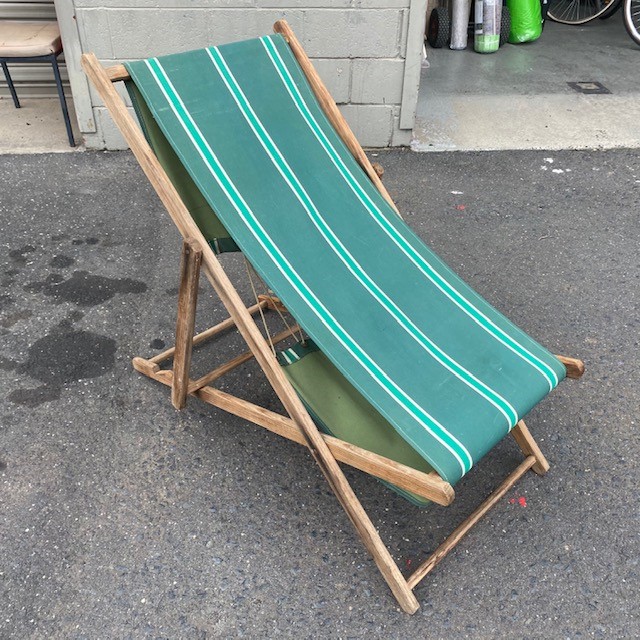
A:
[(33, 42)]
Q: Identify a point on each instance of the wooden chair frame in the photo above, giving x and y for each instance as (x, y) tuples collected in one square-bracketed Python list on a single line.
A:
[(297, 425)]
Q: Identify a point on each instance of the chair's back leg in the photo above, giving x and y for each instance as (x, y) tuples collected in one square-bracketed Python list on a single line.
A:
[(185, 323), (12, 89), (63, 101)]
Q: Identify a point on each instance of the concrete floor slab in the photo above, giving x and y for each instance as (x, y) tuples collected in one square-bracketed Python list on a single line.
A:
[(37, 127), (519, 97)]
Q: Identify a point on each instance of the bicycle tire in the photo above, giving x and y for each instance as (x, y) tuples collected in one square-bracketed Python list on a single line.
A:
[(576, 11), (613, 7), (631, 13), (505, 25)]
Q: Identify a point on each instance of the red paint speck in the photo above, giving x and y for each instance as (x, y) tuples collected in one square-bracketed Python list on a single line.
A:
[(460, 207), (522, 501), (512, 500)]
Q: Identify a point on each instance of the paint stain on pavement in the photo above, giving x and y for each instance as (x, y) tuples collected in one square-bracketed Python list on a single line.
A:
[(62, 356), (61, 262), (19, 255), (84, 289), (13, 318)]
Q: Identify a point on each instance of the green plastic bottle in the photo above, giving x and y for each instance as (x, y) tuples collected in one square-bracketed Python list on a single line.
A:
[(488, 15)]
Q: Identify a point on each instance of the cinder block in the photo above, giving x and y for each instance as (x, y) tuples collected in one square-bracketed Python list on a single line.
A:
[(377, 81), (96, 100), (111, 136), (140, 33), (400, 137), (266, 17), (371, 124), (305, 4), (355, 33), (96, 32), (382, 4), (336, 75)]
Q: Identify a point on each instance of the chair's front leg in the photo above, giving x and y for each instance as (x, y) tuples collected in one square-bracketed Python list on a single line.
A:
[(63, 101), (185, 323), (12, 89)]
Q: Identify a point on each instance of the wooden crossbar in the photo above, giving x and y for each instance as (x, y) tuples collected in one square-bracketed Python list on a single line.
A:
[(461, 530)]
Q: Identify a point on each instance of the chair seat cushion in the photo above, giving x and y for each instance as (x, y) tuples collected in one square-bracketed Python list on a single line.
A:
[(29, 39)]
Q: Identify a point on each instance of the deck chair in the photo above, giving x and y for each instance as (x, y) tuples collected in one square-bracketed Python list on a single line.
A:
[(402, 371)]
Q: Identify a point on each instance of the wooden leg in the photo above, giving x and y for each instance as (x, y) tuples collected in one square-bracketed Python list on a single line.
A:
[(185, 323), (251, 334), (530, 447)]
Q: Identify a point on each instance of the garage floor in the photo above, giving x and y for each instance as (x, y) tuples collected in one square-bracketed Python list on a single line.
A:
[(470, 101), (37, 127)]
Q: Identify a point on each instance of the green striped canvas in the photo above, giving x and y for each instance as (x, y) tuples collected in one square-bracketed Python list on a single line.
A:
[(449, 372)]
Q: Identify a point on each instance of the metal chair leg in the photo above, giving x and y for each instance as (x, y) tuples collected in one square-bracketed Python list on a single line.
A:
[(12, 89), (63, 102)]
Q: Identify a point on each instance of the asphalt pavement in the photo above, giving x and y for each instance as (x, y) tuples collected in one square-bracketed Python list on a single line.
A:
[(123, 518)]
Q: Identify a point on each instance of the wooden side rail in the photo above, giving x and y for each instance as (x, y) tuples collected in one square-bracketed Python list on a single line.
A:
[(427, 485), (117, 72)]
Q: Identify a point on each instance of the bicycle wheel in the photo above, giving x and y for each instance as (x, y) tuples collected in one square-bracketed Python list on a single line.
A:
[(632, 19), (577, 11)]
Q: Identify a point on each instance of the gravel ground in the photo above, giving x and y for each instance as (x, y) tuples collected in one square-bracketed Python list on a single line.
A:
[(121, 518)]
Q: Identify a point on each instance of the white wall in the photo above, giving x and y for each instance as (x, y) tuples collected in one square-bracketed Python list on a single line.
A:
[(358, 47)]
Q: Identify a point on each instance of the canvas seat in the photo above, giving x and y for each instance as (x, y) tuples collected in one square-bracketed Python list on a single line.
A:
[(412, 375)]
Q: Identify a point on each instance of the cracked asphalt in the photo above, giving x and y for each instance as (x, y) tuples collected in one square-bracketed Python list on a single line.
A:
[(122, 518)]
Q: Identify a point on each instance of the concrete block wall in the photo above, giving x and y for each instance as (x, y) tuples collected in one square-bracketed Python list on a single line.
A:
[(358, 47)]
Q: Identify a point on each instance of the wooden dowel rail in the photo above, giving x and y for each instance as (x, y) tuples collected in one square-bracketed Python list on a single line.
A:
[(574, 367), (117, 72), (237, 361), (427, 485), (208, 333)]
